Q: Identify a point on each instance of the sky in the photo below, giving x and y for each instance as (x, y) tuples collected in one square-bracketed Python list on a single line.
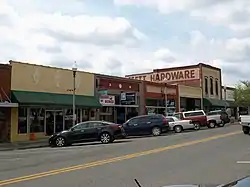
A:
[(119, 37)]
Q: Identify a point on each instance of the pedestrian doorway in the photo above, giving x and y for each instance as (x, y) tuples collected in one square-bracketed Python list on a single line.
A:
[(54, 121)]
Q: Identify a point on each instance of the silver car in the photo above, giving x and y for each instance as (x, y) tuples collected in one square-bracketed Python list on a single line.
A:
[(178, 125)]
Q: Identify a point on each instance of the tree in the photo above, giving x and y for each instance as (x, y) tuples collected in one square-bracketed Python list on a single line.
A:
[(242, 94)]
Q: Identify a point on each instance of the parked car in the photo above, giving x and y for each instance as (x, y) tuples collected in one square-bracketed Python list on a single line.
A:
[(198, 117), (245, 123), (154, 124), (178, 125), (217, 118), (103, 131)]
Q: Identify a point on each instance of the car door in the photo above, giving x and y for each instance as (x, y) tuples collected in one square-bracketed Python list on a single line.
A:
[(91, 131), (77, 133), (131, 127)]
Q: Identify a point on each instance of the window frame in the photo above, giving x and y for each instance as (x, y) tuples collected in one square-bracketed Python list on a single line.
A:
[(217, 87), (206, 85), (211, 80)]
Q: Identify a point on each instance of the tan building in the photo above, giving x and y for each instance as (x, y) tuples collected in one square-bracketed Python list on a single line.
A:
[(44, 95), (199, 85)]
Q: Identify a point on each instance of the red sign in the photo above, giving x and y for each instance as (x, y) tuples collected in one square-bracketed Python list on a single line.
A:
[(107, 100)]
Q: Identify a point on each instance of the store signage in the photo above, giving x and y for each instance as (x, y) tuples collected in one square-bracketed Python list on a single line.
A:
[(107, 100), (128, 98), (170, 76)]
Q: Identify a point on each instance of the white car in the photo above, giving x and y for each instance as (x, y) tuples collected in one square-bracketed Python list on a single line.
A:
[(178, 125)]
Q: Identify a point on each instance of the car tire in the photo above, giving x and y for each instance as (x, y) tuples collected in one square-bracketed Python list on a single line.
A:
[(197, 126), (106, 138), (211, 124), (178, 129), (245, 130), (156, 131), (60, 141), (222, 124)]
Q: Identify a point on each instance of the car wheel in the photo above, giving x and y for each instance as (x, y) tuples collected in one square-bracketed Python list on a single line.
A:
[(178, 129), (60, 141), (197, 126), (211, 124), (106, 138), (156, 131), (245, 130), (222, 124)]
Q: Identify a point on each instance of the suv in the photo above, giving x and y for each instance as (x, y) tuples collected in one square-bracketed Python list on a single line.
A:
[(217, 117), (146, 124), (198, 117)]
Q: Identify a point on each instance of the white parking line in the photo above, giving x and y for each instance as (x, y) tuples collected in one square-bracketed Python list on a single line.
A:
[(243, 162)]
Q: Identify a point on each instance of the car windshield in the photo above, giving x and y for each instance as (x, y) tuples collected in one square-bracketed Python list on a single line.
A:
[(175, 118)]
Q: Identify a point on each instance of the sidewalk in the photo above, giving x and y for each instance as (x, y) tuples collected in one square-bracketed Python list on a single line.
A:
[(24, 145)]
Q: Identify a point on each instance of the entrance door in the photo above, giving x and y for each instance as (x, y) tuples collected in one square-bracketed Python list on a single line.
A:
[(54, 121), (50, 121), (59, 121)]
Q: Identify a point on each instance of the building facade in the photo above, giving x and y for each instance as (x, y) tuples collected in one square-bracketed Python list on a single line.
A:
[(161, 98), (199, 85), (120, 98), (44, 95), (5, 102)]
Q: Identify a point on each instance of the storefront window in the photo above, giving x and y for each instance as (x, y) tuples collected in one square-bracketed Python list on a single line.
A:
[(58, 121), (22, 120), (78, 115), (37, 116), (85, 115), (68, 119)]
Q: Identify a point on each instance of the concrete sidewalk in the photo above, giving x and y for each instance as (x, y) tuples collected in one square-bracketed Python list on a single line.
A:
[(24, 145)]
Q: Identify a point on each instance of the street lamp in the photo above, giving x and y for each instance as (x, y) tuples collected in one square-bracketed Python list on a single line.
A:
[(74, 70)]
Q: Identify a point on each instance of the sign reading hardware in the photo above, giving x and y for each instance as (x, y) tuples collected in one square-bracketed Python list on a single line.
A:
[(170, 76)]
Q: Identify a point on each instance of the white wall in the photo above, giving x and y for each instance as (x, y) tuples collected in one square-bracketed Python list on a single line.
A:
[(229, 94)]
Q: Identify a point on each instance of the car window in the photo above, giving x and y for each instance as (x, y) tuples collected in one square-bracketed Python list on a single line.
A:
[(212, 113), (80, 126), (170, 119), (176, 119), (178, 115), (133, 121), (96, 124), (190, 114)]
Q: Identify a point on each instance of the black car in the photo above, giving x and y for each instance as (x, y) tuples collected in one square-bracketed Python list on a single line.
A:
[(244, 182), (154, 124), (103, 131)]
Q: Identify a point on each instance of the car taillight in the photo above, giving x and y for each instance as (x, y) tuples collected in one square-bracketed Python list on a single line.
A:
[(165, 122), (116, 126)]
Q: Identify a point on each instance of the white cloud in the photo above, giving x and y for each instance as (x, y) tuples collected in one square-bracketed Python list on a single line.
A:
[(112, 45)]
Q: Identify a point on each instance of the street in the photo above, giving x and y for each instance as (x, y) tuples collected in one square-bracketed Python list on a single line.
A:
[(206, 157)]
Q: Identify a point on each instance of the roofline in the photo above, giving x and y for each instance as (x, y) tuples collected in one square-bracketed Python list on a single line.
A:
[(117, 77), (48, 66)]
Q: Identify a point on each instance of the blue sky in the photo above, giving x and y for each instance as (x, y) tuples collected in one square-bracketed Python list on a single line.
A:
[(147, 34)]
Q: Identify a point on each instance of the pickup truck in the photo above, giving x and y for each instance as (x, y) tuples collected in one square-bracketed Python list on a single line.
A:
[(217, 118), (245, 123)]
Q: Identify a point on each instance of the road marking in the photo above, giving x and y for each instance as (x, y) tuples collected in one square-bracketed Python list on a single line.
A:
[(111, 160), (243, 162)]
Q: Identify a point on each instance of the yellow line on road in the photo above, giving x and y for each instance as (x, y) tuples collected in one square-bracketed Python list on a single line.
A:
[(111, 160)]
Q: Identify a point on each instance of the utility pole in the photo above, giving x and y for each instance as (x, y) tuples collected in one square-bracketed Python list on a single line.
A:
[(166, 100), (74, 70)]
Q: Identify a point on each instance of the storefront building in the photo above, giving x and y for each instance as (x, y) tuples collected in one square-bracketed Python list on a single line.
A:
[(119, 97), (188, 79), (5, 102), (45, 99), (159, 95)]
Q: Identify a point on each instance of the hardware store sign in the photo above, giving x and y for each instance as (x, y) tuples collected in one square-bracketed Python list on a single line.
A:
[(169, 76)]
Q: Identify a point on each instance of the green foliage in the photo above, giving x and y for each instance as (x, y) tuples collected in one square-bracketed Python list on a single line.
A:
[(242, 94)]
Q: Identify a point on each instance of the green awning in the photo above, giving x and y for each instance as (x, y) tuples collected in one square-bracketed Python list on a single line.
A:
[(215, 102), (231, 103), (43, 98)]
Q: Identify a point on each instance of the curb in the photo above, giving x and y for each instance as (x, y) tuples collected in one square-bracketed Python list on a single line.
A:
[(23, 147)]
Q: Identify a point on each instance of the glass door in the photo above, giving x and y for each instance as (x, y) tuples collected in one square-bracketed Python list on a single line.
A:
[(50, 122), (59, 121)]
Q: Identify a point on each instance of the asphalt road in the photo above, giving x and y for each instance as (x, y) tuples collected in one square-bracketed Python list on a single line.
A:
[(206, 156)]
